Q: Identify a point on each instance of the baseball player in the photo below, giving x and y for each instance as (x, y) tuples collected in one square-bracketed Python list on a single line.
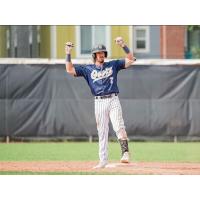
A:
[(102, 80)]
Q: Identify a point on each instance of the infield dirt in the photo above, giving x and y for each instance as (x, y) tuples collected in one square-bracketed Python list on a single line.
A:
[(137, 168)]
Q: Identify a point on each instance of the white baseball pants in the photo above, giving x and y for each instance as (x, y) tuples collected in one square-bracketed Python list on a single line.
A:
[(105, 109)]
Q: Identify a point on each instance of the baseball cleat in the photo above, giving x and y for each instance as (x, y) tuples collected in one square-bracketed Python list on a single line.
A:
[(100, 165), (125, 157)]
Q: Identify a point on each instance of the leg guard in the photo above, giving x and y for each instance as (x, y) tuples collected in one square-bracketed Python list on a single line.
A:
[(124, 146)]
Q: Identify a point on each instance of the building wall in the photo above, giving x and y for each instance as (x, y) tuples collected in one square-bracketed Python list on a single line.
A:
[(154, 42), (63, 35), (45, 48), (24, 49), (165, 41), (116, 31), (3, 52), (172, 41), (35, 47), (68, 33), (22, 42)]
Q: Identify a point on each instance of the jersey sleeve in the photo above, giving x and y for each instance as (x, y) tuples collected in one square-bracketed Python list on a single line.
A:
[(80, 70), (120, 64)]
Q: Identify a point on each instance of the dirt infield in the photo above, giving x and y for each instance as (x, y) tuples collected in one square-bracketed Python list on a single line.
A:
[(139, 168)]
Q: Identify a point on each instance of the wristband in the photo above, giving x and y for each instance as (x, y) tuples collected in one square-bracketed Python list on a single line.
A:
[(126, 49), (68, 58)]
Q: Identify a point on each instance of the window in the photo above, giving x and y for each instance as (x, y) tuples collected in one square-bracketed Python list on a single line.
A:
[(88, 36), (141, 39)]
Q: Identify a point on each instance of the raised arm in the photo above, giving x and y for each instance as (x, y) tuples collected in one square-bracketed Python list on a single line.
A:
[(69, 66), (129, 59)]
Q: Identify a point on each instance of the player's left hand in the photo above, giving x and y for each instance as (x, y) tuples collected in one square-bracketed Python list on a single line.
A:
[(119, 41)]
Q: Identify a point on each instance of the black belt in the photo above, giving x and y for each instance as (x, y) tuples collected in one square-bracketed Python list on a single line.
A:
[(106, 96)]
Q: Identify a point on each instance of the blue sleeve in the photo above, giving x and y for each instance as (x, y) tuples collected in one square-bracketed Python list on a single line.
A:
[(80, 70), (120, 64)]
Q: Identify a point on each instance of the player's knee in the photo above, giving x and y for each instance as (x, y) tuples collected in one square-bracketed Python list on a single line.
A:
[(121, 134)]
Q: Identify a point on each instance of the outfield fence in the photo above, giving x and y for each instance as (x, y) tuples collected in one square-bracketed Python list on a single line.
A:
[(160, 100)]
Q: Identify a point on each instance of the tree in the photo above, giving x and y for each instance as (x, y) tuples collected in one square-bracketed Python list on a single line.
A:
[(193, 27)]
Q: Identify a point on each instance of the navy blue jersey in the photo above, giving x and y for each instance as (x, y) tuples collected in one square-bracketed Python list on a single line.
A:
[(101, 80)]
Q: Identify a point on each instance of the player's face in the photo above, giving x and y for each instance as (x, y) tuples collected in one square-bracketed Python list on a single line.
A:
[(100, 56)]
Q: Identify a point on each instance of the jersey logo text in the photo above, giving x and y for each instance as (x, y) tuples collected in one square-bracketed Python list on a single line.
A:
[(95, 75)]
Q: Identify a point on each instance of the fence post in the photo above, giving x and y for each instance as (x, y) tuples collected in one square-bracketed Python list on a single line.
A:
[(7, 139), (90, 138), (175, 138)]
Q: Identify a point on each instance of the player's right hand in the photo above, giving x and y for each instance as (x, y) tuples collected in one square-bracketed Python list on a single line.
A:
[(68, 47)]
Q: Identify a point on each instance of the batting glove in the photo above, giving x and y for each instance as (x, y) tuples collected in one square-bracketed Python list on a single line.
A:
[(119, 41), (68, 47)]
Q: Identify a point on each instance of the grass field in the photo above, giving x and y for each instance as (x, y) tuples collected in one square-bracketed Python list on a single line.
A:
[(84, 151), (73, 151)]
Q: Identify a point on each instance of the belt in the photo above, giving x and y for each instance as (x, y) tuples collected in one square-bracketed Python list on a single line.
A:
[(106, 96)]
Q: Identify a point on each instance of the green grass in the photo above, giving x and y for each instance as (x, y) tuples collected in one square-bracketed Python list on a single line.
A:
[(84, 151), (48, 151)]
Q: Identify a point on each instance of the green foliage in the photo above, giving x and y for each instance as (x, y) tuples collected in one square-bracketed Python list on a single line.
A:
[(194, 31), (195, 52), (193, 27)]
